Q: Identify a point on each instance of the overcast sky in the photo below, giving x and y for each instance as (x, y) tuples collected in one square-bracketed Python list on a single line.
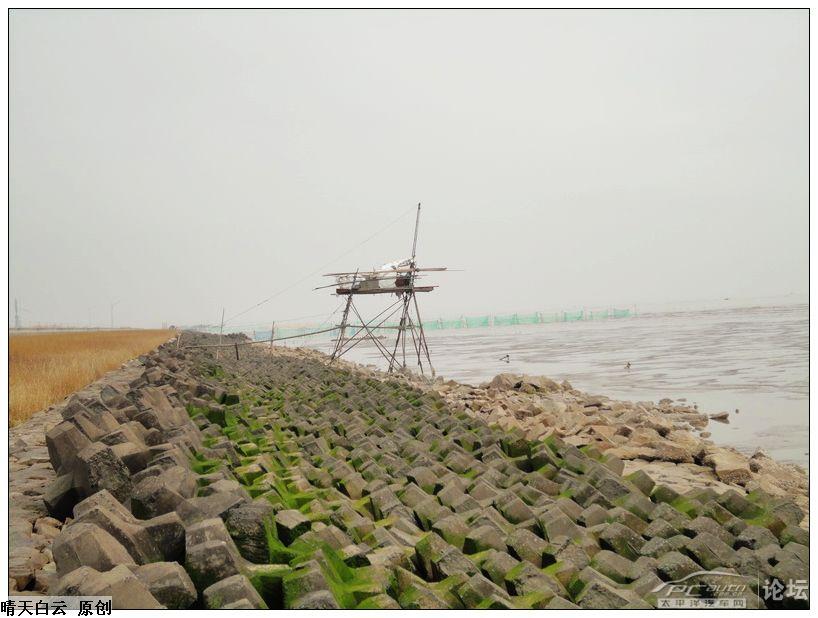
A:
[(181, 162)]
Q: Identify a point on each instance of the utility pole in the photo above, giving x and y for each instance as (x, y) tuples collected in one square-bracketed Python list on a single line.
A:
[(17, 323), (114, 304), (221, 330)]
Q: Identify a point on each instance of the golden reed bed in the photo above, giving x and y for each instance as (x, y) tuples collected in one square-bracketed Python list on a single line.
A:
[(46, 367)]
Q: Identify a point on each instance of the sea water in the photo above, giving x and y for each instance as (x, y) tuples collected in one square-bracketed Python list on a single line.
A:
[(752, 359)]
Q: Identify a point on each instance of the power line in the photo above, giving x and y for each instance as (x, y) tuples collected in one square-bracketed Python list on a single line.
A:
[(320, 268), (298, 319)]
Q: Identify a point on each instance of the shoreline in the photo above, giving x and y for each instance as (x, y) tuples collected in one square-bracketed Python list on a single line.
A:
[(660, 439), (751, 363), (175, 466)]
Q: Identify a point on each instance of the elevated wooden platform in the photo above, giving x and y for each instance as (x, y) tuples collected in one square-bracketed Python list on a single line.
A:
[(347, 291)]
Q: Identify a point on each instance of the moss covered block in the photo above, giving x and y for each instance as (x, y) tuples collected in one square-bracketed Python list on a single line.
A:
[(290, 524), (420, 596), (230, 399), (380, 601), (248, 448), (249, 473), (621, 540), (688, 506), (642, 481), (267, 580), (477, 589), (301, 582), (453, 530), (539, 599), (638, 504), (663, 493), (203, 466), (739, 505), (524, 578)]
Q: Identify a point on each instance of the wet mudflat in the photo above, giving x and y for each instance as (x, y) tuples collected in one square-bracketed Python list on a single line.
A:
[(751, 359)]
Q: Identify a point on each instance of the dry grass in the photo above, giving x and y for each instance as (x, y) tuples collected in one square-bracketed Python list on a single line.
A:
[(44, 368)]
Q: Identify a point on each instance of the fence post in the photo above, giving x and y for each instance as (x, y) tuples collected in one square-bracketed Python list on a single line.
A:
[(237, 351), (221, 330), (272, 334)]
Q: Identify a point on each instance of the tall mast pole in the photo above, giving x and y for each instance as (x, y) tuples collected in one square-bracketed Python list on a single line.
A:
[(415, 242), (339, 344), (408, 296)]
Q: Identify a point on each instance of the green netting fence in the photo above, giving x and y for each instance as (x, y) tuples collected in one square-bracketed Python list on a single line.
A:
[(465, 322)]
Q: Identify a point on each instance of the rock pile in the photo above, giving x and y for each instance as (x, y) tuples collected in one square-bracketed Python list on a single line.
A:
[(277, 481), (639, 433)]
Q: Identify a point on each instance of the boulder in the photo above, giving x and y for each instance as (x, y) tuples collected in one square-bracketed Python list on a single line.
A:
[(613, 566), (89, 545), (525, 545), (64, 441), (104, 499), (233, 590), (93, 423), (206, 507), (169, 583), (24, 561), (152, 497), (674, 565), (61, 496), (158, 411), (556, 525), (124, 588), (129, 431), (213, 529), (504, 381), (711, 552), (168, 534), (424, 478), (483, 538), (97, 468), (755, 537), (306, 580), (477, 588), (430, 511), (290, 524), (134, 455), (730, 467), (621, 540), (601, 594), (453, 530), (246, 524), (496, 565), (319, 599), (705, 524), (210, 562), (130, 534), (525, 578)]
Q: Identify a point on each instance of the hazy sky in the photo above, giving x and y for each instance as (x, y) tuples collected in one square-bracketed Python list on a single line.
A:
[(179, 162)]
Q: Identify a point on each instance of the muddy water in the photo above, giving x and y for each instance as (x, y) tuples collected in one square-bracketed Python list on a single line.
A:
[(751, 359)]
